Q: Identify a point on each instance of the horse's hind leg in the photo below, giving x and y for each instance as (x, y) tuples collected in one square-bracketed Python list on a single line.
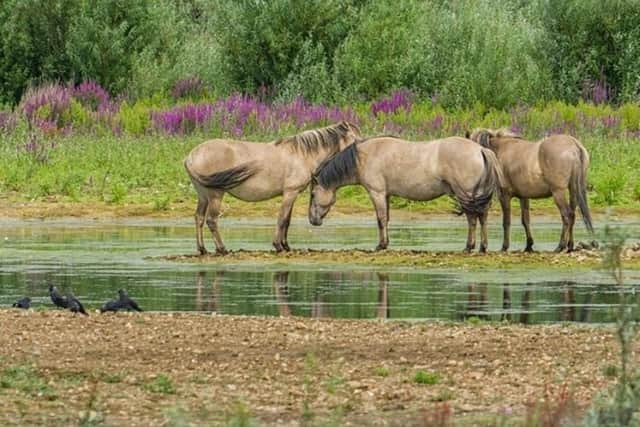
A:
[(215, 203), (573, 203), (472, 220), (484, 233), (201, 213), (566, 214), (524, 214)]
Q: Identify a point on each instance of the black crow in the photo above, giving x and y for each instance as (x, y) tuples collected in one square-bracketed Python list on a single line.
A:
[(58, 299), (75, 305), (127, 303), (113, 305), (23, 303)]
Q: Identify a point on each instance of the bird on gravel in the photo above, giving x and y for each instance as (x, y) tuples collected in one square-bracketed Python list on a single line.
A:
[(113, 305), (24, 303), (124, 302), (127, 302), (75, 305), (57, 298)]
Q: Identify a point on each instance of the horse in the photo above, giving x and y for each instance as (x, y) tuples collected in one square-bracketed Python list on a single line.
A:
[(534, 170), (253, 171), (388, 166)]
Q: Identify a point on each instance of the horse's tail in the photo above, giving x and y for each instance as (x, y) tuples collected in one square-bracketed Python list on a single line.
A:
[(578, 185), (490, 183), (223, 180)]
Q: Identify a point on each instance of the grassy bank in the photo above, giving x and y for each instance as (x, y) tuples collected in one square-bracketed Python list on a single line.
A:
[(145, 176)]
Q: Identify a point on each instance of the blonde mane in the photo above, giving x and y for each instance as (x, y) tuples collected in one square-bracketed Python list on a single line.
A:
[(312, 141)]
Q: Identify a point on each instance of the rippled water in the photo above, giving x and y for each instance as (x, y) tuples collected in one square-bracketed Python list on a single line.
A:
[(95, 259)]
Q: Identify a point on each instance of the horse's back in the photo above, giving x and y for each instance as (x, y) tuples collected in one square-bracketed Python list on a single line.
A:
[(222, 154)]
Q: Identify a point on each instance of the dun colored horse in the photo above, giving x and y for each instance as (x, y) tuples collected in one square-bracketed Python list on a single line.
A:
[(534, 170), (253, 172), (388, 166)]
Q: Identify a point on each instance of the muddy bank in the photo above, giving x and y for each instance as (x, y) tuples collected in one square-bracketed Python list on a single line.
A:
[(590, 258), (147, 369)]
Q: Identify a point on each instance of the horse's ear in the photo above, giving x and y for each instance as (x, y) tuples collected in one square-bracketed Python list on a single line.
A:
[(467, 134)]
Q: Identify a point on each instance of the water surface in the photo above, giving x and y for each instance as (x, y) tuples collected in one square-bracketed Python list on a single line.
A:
[(96, 258)]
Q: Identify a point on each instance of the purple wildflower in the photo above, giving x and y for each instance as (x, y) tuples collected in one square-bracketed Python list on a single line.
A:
[(610, 121), (92, 96), (192, 87), (8, 121), (44, 106), (183, 119), (597, 92), (400, 99), (437, 122)]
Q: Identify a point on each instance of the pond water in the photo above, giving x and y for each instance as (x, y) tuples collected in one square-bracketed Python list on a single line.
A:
[(96, 258)]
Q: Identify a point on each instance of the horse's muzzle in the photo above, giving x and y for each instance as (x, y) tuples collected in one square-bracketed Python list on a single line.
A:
[(315, 221)]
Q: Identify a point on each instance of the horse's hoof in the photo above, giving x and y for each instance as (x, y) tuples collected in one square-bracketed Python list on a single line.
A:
[(286, 247), (559, 249), (203, 252), (222, 252), (381, 248), (482, 250), (528, 250), (505, 249), (467, 250)]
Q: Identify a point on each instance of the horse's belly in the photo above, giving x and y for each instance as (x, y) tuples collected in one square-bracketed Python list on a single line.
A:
[(537, 191), (254, 190), (419, 191)]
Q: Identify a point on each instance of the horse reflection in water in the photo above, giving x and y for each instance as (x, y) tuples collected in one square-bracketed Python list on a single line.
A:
[(477, 305), (383, 309), (320, 307), (280, 284), (212, 301)]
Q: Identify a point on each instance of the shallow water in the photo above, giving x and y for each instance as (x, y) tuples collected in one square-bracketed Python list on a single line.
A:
[(96, 258)]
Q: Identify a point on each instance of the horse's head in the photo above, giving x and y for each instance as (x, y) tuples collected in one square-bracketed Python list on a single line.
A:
[(351, 134), (321, 200), (481, 136)]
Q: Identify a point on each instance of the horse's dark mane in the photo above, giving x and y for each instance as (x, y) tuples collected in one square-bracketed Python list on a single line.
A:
[(312, 141), (338, 168)]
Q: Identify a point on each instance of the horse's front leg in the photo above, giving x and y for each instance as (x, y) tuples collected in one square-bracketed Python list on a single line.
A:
[(505, 204), (284, 219), (381, 204), (472, 220), (200, 216), (524, 214)]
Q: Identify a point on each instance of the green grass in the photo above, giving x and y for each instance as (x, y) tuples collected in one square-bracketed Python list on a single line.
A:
[(148, 170), (26, 379), (428, 378), (162, 384)]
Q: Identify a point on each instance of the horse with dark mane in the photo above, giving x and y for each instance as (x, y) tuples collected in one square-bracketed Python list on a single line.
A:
[(389, 166), (252, 171), (535, 170)]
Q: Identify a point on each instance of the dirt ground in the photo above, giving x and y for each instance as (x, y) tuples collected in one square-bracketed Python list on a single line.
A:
[(176, 369)]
